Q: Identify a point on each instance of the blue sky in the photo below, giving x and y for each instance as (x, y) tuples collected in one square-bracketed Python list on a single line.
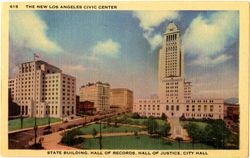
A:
[(121, 47)]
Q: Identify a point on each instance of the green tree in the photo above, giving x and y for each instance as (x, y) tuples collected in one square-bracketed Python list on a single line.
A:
[(164, 130), (152, 125), (94, 132), (194, 132), (182, 118), (163, 116), (217, 133), (70, 138), (135, 115)]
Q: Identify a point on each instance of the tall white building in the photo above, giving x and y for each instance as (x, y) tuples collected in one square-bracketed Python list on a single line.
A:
[(11, 86), (171, 69), (98, 93), (175, 93), (43, 90)]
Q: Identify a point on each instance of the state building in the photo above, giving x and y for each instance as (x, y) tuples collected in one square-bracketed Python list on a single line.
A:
[(42, 90), (174, 91)]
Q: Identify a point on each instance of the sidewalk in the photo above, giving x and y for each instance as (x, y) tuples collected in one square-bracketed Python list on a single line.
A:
[(114, 134), (50, 142), (177, 130)]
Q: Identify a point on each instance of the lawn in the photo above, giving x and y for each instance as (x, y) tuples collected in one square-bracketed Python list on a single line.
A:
[(127, 118), (107, 129), (200, 124), (29, 122), (143, 142)]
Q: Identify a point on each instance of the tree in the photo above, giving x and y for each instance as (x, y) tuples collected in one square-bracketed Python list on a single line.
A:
[(69, 138), (108, 122), (164, 130), (194, 132), (94, 132), (182, 118), (179, 139), (135, 115), (217, 133), (136, 134), (163, 116), (152, 125)]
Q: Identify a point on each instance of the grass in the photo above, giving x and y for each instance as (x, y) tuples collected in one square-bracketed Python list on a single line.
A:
[(29, 122), (129, 120), (143, 142), (200, 124), (109, 129)]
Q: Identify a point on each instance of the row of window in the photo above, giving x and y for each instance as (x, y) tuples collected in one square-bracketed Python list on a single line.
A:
[(171, 37), (199, 101), (151, 114), (169, 43), (167, 91), (171, 48), (149, 101), (149, 109), (150, 105), (168, 107)]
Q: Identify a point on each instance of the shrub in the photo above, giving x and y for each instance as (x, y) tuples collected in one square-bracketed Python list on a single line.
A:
[(135, 115), (47, 132), (94, 132), (60, 129), (47, 128), (69, 138), (163, 116), (182, 118)]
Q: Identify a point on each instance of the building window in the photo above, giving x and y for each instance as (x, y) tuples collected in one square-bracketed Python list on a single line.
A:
[(193, 108), (205, 107), (167, 107), (177, 107)]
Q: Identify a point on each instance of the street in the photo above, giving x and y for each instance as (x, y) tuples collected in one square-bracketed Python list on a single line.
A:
[(21, 138)]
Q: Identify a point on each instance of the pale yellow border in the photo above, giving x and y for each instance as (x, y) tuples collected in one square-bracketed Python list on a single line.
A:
[(243, 8)]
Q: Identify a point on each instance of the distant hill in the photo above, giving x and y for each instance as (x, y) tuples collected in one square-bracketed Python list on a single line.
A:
[(232, 100)]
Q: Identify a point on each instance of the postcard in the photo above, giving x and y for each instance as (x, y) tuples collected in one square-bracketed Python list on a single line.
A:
[(125, 79)]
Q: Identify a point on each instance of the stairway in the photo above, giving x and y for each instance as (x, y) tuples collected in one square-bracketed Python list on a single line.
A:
[(176, 129)]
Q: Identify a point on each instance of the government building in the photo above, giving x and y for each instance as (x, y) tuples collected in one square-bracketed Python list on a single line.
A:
[(42, 90), (174, 91), (96, 93), (121, 99)]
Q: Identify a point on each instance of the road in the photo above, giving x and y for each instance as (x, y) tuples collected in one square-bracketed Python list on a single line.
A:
[(20, 139)]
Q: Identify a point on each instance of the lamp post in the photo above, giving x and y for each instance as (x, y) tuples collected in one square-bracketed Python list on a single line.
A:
[(35, 130), (49, 114), (21, 119), (100, 138)]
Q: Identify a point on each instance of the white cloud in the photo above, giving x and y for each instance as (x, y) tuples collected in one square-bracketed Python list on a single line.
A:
[(28, 30), (151, 19), (209, 36), (108, 48), (154, 40), (209, 61), (73, 68)]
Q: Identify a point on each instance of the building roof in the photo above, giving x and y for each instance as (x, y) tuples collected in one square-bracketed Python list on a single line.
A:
[(120, 89), (171, 27), (92, 84)]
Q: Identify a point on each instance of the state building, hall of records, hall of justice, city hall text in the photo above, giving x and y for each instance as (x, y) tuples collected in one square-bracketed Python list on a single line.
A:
[(174, 92)]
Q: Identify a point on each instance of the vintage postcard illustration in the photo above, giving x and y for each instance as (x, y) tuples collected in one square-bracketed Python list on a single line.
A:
[(125, 79)]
